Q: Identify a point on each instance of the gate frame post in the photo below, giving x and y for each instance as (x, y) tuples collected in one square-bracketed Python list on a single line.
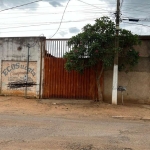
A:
[(42, 55)]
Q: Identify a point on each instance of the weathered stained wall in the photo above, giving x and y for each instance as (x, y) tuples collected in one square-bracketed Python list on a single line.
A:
[(13, 77), (13, 65), (136, 81)]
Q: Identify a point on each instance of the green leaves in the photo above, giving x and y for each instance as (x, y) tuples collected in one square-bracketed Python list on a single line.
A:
[(96, 43)]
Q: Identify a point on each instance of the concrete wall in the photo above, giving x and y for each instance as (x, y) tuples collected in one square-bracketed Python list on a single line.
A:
[(136, 81), (13, 65)]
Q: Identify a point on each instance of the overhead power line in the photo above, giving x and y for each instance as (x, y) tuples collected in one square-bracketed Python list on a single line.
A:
[(92, 5), (48, 23), (24, 22), (58, 13), (139, 4), (66, 29), (134, 11), (137, 24), (84, 5), (20, 5), (61, 20), (137, 19)]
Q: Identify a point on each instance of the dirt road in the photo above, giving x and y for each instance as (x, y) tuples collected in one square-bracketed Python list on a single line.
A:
[(28, 124)]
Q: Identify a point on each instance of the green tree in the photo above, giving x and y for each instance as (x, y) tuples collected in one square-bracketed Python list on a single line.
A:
[(95, 45)]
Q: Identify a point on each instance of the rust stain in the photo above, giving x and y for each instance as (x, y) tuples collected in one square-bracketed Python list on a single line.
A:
[(58, 83)]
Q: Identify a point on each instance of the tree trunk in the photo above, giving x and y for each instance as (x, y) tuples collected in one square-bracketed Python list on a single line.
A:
[(98, 77)]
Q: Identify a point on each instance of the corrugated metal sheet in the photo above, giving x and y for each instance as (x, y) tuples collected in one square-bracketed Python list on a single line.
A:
[(58, 83)]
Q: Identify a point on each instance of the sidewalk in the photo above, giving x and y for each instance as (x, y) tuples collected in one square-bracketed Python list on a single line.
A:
[(73, 108)]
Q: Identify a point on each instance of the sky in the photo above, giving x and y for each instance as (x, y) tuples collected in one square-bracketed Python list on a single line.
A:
[(43, 18)]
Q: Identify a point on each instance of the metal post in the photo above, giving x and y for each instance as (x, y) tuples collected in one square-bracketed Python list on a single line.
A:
[(28, 45), (41, 59), (115, 70)]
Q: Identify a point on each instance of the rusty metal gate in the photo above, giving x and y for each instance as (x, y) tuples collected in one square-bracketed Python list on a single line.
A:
[(58, 83)]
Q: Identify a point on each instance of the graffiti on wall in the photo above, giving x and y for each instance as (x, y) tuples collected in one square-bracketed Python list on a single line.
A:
[(14, 77)]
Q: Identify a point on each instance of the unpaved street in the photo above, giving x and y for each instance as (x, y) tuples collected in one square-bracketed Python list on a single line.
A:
[(40, 127)]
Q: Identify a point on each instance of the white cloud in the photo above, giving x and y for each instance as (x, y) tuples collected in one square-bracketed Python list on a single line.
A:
[(63, 33), (56, 3), (12, 3), (74, 30), (44, 17)]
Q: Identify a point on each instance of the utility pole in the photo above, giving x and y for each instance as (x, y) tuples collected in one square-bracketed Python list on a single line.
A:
[(115, 70)]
